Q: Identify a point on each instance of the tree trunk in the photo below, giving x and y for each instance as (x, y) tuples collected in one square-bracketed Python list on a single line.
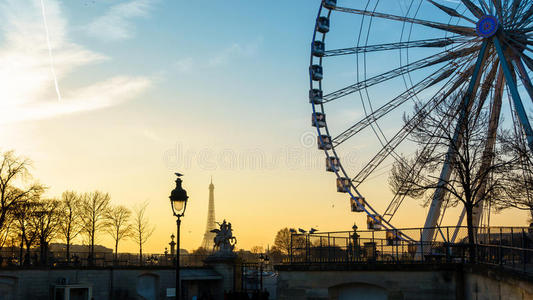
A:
[(471, 234), (21, 250), (91, 254), (27, 259), (44, 257), (140, 254), (68, 250), (42, 248), (116, 251)]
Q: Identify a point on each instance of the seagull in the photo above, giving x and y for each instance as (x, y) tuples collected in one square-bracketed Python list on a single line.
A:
[(292, 230), (178, 174), (312, 230), (301, 230)]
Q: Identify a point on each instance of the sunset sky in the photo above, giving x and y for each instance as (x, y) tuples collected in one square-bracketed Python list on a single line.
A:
[(207, 88)]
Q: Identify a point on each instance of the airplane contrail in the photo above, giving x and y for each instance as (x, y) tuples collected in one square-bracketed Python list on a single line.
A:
[(50, 51)]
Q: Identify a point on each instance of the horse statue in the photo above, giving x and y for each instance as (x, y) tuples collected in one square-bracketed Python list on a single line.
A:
[(224, 239)]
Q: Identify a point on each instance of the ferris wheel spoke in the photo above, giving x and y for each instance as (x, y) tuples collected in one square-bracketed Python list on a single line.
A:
[(528, 61), (527, 15), (524, 77), (476, 11), (401, 135), (428, 43), (486, 9), (425, 62), (486, 87), (451, 12), (394, 103), (446, 27), (498, 6), (524, 17), (512, 43), (514, 9), (398, 198)]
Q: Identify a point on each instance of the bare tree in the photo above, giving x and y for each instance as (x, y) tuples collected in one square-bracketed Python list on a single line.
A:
[(143, 230), (119, 226), (94, 207), (257, 249), (479, 165), (519, 193), (23, 214), (69, 218), (45, 221), (6, 232), (284, 240), (14, 169)]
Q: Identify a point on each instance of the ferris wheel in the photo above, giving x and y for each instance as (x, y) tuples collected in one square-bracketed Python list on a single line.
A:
[(380, 58)]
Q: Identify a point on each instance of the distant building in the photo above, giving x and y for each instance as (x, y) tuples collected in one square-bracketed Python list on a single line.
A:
[(209, 236), (60, 248)]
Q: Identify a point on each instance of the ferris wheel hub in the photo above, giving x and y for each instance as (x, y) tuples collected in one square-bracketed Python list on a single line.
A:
[(487, 26)]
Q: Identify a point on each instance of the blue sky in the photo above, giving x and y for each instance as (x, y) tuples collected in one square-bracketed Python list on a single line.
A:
[(149, 87)]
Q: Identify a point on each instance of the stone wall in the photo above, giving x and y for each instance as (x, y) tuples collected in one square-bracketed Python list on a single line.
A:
[(395, 283), (402, 282), (109, 283), (490, 284)]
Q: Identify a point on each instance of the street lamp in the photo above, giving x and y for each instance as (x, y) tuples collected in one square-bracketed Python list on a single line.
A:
[(355, 238), (262, 259), (178, 202)]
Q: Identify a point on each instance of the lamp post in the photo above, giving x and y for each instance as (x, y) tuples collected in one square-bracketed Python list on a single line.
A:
[(178, 202), (355, 238), (262, 259)]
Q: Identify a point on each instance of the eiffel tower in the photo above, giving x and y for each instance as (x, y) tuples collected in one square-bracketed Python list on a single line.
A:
[(208, 242)]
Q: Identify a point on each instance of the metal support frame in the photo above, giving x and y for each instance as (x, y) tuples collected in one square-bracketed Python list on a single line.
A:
[(438, 196), (523, 76), (513, 88)]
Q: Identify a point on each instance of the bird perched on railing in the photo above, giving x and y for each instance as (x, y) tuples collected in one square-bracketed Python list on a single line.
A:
[(301, 230), (312, 230), (292, 230)]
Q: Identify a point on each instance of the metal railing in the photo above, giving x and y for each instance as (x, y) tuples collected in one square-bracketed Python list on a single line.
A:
[(10, 258), (510, 247)]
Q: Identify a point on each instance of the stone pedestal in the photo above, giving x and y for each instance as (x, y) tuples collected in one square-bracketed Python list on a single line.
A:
[(227, 267)]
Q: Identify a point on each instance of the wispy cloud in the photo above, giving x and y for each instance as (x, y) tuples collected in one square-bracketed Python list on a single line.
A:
[(184, 64), (117, 23), (236, 50), (151, 135), (27, 82)]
